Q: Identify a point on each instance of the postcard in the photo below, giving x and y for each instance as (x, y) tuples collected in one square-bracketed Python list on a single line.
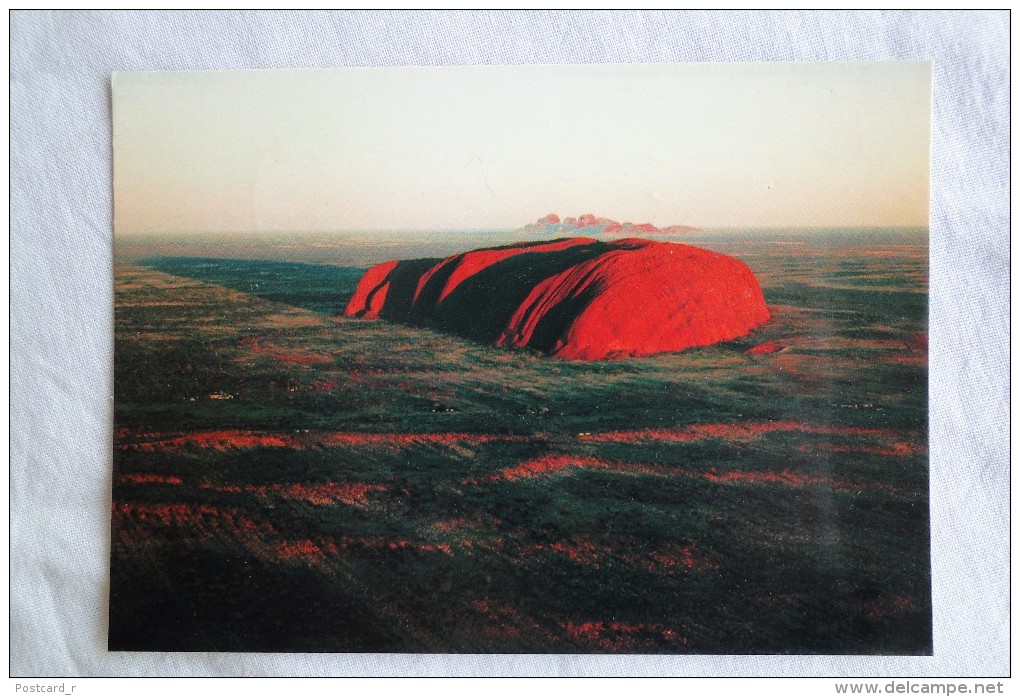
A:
[(522, 359)]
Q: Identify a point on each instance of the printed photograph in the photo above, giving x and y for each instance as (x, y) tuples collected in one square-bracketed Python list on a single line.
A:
[(607, 359)]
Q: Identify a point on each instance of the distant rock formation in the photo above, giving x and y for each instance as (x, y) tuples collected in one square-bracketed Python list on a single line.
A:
[(588, 224), (575, 298)]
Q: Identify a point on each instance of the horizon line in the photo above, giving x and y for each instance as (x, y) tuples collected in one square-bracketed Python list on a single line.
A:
[(694, 229)]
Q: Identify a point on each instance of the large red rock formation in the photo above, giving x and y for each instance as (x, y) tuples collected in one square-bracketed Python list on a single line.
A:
[(574, 298)]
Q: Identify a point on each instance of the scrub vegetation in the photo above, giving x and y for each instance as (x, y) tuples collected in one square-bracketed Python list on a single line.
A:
[(287, 479)]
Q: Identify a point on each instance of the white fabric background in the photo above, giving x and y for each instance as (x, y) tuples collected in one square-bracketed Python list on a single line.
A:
[(61, 298)]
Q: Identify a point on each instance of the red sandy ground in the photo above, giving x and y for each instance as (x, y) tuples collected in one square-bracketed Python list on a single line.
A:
[(289, 356), (352, 494), (242, 439)]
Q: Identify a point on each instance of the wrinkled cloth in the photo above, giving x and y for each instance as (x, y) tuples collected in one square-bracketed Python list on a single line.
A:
[(62, 311)]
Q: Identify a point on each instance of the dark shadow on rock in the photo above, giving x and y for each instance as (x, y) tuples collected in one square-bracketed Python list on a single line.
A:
[(403, 282), (482, 305)]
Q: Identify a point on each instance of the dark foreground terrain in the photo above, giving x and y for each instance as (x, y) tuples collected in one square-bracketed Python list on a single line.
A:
[(289, 480)]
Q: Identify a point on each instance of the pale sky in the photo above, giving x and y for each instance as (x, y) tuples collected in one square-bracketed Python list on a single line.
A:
[(709, 145)]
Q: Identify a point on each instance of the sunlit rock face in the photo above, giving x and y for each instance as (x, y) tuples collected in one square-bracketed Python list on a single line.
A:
[(576, 298)]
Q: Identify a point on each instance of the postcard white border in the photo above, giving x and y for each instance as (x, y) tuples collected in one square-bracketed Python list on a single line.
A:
[(61, 298)]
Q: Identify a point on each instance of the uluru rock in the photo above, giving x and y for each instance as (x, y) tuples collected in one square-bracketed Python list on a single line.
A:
[(574, 298)]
